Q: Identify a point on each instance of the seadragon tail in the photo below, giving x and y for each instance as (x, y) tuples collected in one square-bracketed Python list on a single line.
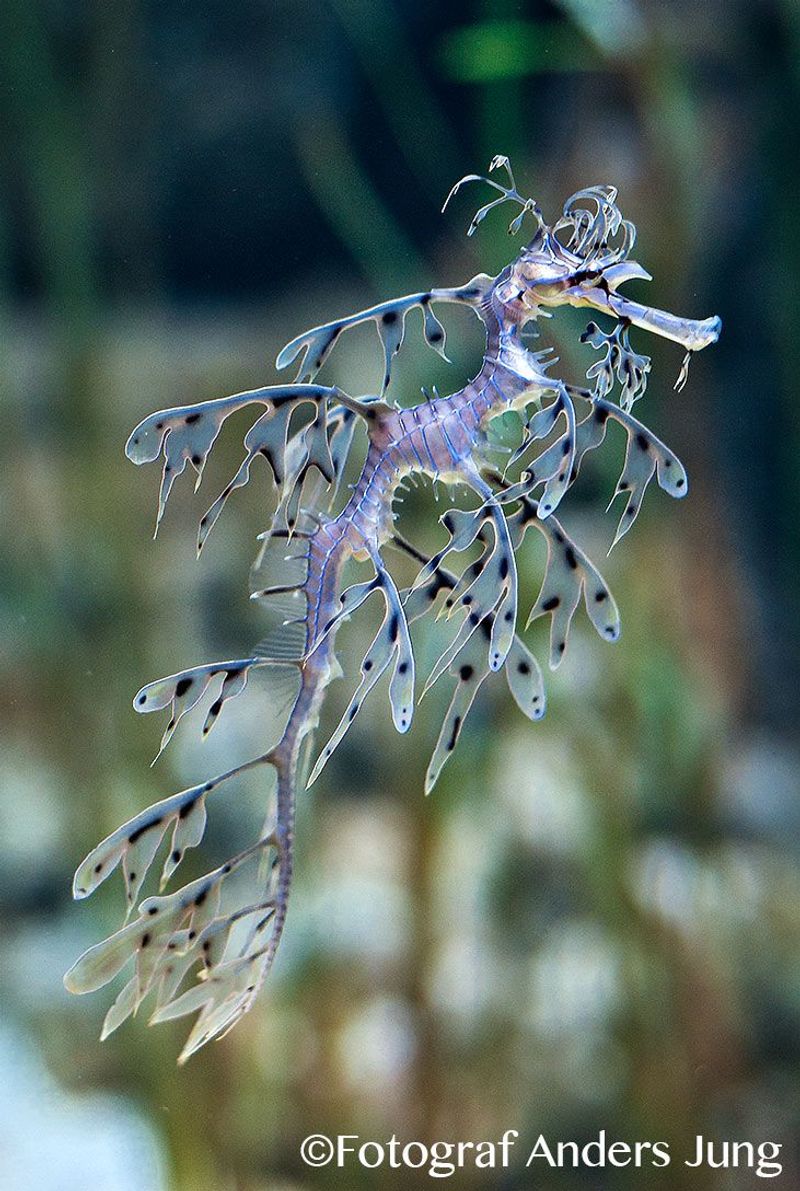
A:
[(226, 925)]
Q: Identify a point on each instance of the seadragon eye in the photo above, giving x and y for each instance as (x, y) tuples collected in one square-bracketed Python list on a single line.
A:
[(206, 947)]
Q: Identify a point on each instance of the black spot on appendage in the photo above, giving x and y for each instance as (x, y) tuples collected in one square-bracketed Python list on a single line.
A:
[(389, 317), (139, 832), (551, 604), (182, 686), (503, 567), (394, 628), (642, 442), (465, 673), (523, 668), (402, 668), (190, 418), (186, 809), (569, 555), (451, 744), (600, 596)]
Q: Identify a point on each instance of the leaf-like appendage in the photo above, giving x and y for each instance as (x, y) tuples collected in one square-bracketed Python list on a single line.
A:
[(183, 691), (589, 434), (470, 670), (392, 640), (525, 680), (401, 686), (376, 660), (468, 664), (343, 423), (568, 573), (620, 360), (267, 437), (556, 467), (434, 332), (139, 838), (187, 433), (645, 455), (172, 934), (314, 346)]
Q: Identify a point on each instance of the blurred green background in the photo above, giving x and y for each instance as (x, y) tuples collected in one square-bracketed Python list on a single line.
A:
[(595, 921)]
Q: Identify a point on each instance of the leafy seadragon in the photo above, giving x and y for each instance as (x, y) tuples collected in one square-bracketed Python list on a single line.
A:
[(230, 921)]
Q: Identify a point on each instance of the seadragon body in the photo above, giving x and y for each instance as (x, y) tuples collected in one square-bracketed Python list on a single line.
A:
[(230, 920)]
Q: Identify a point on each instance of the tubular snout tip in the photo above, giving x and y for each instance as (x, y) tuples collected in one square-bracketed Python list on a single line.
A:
[(710, 330)]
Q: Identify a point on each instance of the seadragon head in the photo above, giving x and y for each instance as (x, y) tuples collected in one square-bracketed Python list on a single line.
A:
[(581, 260)]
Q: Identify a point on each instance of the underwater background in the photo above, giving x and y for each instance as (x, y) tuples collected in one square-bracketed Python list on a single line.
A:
[(594, 922)]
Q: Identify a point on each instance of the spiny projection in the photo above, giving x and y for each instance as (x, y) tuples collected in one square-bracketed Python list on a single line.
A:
[(225, 926)]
